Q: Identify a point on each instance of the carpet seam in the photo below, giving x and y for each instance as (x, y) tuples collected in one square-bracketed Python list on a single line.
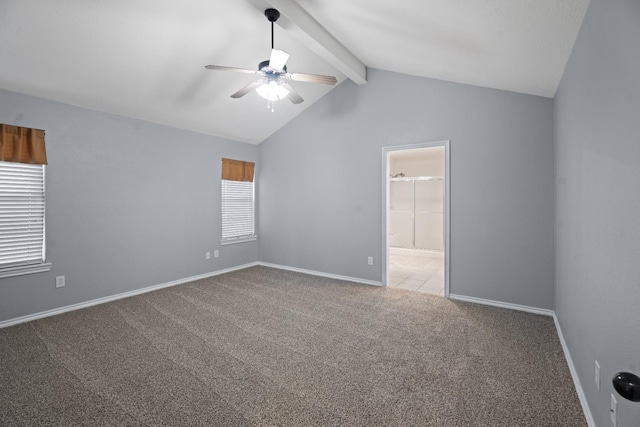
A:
[(79, 380), (183, 369), (275, 381)]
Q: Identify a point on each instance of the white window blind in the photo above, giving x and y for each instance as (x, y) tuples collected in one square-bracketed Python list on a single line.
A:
[(21, 214), (238, 212)]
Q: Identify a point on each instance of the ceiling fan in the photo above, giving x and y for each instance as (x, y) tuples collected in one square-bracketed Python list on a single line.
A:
[(273, 83)]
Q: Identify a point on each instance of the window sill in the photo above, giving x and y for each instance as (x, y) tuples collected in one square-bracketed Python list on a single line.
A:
[(21, 270), (238, 240)]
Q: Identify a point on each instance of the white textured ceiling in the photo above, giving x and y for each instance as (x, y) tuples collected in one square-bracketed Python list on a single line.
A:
[(517, 45), (145, 58)]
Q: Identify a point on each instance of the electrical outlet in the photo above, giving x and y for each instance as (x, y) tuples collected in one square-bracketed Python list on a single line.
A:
[(216, 254), (597, 376), (614, 411), (207, 255), (370, 260), (60, 281)]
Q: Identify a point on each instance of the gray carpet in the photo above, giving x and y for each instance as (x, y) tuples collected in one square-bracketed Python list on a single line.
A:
[(263, 347)]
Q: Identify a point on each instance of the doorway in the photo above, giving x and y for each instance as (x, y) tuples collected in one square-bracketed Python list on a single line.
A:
[(416, 220)]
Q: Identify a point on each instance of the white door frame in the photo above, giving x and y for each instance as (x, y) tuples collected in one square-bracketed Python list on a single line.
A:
[(386, 151)]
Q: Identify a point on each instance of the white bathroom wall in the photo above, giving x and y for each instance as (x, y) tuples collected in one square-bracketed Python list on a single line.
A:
[(419, 162)]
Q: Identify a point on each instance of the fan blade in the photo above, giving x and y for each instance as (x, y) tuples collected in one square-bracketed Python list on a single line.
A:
[(278, 59), (312, 78), (293, 95), (248, 88), (237, 70)]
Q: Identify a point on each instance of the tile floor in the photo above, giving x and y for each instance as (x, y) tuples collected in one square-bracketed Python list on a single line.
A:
[(423, 273)]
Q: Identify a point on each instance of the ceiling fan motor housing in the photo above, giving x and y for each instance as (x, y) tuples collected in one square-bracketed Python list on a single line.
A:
[(264, 66)]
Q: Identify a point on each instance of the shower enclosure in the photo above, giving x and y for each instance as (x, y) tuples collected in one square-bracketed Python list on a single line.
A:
[(417, 212)]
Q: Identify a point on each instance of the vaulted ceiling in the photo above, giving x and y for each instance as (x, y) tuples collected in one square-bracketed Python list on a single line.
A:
[(145, 58)]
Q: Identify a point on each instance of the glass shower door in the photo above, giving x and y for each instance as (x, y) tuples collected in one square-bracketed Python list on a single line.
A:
[(401, 214), (429, 214)]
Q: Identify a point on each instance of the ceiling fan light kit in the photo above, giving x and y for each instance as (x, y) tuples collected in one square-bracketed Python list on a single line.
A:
[(272, 91), (272, 85)]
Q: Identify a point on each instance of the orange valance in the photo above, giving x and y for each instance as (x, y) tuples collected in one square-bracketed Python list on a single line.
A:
[(22, 145), (237, 170)]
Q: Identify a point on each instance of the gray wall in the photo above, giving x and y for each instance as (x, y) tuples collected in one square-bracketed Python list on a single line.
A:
[(130, 204), (597, 132), (321, 183)]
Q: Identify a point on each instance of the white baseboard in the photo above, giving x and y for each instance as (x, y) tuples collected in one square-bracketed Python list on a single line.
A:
[(500, 304), (321, 274), (574, 375), (103, 300)]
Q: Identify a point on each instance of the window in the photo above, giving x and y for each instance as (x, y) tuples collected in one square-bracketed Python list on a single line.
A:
[(238, 201), (238, 211), (22, 228)]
